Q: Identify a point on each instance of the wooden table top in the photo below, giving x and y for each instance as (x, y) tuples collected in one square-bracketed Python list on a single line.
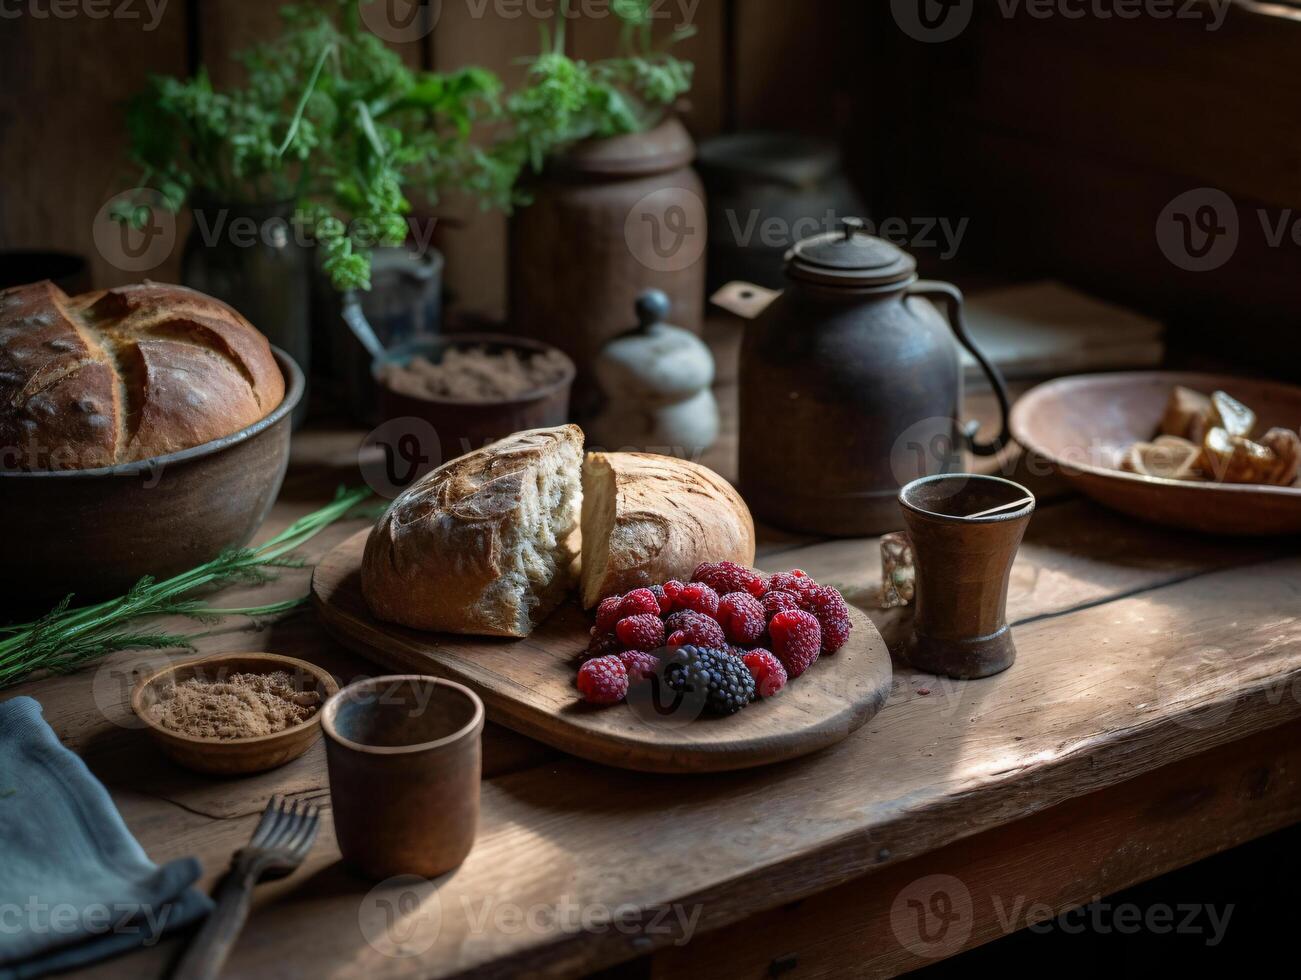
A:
[(1138, 647)]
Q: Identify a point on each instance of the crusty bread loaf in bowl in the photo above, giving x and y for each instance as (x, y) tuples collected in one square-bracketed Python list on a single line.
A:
[(483, 545), (121, 375), (143, 431), (648, 519)]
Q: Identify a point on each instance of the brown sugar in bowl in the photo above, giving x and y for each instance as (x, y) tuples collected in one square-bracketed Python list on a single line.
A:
[(234, 756)]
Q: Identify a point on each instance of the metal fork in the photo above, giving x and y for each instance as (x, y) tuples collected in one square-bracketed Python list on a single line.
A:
[(282, 839)]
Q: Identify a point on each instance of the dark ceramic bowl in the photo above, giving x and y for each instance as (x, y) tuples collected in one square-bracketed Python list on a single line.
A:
[(449, 427), (95, 532)]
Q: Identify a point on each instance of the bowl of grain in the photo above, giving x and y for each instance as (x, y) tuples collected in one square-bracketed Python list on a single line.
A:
[(459, 392), (234, 713)]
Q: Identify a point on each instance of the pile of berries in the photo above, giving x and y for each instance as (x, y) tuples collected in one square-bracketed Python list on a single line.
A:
[(732, 633)]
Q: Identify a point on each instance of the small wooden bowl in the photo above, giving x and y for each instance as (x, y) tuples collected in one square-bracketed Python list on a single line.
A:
[(1083, 424), (234, 756)]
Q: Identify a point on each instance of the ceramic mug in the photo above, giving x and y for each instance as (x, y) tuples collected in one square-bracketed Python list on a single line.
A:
[(404, 756), (965, 531)]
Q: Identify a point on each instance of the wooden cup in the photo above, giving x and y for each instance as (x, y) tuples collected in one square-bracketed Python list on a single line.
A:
[(404, 756), (965, 531)]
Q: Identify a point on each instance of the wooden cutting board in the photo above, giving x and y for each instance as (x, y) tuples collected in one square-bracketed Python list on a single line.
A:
[(528, 685)]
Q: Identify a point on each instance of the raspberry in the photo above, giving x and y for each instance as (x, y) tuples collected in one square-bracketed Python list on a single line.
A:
[(796, 640), (742, 617), (639, 602), (697, 629), (794, 581), (666, 604), (769, 675), (780, 601), (644, 632), (828, 606), (639, 664), (603, 645), (672, 589), (699, 598), (603, 681), (725, 576), (758, 586), (607, 614)]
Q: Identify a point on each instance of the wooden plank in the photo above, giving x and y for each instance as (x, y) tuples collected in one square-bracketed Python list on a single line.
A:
[(1100, 696), (1019, 874), (528, 685), (474, 240), (797, 69), (62, 138), (1116, 79)]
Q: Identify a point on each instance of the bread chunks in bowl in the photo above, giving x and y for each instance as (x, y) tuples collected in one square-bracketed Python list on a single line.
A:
[(648, 519), (486, 543)]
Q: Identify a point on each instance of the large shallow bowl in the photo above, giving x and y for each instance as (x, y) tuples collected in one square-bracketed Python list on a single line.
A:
[(1082, 425), (95, 532)]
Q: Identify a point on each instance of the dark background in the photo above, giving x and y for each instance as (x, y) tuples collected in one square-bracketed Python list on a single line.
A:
[(1060, 138)]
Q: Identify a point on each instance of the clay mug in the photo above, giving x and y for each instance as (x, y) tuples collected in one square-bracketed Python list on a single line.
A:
[(404, 756), (965, 532)]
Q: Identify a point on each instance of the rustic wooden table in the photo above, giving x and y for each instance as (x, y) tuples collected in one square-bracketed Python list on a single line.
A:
[(1153, 718)]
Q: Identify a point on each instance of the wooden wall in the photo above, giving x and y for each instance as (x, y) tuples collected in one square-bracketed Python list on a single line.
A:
[(1060, 140), (62, 84), (1063, 141)]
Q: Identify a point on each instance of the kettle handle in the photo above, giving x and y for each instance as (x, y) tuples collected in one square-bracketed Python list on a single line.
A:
[(951, 297)]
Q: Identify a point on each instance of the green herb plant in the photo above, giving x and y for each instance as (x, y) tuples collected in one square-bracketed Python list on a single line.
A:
[(329, 117), (65, 639), (565, 100)]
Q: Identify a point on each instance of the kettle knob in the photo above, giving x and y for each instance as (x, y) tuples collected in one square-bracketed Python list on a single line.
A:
[(653, 306), (853, 226)]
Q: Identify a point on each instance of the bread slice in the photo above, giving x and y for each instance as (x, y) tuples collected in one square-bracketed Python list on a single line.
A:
[(483, 545), (648, 519)]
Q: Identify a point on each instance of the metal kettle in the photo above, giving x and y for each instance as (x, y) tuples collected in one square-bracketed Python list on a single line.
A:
[(851, 385)]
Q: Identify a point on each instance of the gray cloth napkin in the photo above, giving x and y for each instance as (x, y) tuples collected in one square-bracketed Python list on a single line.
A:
[(75, 886)]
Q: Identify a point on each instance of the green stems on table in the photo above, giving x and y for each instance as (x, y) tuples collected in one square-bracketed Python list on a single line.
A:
[(65, 638)]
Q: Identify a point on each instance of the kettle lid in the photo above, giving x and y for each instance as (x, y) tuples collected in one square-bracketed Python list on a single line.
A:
[(850, 257)]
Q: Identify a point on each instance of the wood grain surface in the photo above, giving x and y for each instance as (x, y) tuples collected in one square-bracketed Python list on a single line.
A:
[(1156, 669), (528, 685)]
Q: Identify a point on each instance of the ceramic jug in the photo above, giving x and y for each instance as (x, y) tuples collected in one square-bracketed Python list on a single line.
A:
[(851, 386)]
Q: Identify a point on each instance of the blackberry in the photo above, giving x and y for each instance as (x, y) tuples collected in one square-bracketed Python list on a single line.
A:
[(726, 682)]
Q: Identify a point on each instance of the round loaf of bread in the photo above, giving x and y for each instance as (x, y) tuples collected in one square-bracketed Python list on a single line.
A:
[(648, 519), (125, 374), (486, 543)]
